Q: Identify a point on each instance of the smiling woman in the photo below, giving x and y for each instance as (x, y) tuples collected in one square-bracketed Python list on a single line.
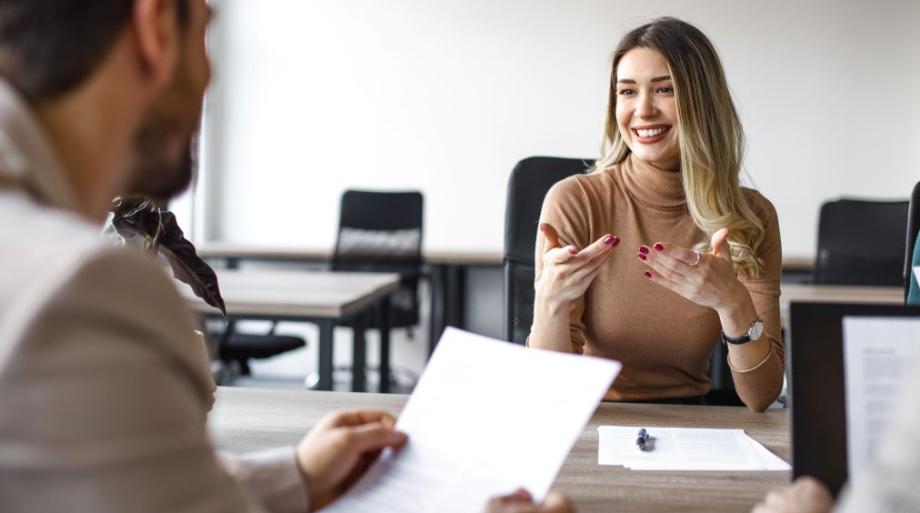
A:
[(706, 266)]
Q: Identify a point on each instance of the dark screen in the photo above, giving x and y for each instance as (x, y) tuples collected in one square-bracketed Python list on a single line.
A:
[(816, 386)]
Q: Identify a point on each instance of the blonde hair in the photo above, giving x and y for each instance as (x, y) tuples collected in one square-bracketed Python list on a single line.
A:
[(710, 136)]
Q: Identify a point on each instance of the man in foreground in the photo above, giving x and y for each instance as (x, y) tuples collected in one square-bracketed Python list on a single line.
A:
[(104, 389)]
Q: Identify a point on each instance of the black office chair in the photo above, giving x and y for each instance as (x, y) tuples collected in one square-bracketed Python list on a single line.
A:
[(239, 348), (530, 180), (235, 350), (382, 232), (913, 225), (861, 242)]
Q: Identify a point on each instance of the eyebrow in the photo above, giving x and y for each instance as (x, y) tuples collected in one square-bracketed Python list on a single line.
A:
[(655, 79)]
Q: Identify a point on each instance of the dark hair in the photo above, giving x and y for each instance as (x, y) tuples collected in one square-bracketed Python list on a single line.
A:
[(48, 47)]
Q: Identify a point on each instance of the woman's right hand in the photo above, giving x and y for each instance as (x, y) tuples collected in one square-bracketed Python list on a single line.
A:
[(568, 271)]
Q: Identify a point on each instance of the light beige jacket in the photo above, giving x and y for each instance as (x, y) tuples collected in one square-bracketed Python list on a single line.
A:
[(104, 389)]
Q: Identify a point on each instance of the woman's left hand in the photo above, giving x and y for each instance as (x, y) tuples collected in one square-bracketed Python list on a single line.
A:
[(707, 279)]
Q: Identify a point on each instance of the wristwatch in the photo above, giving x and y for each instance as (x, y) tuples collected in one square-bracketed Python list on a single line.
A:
[(753, 333)]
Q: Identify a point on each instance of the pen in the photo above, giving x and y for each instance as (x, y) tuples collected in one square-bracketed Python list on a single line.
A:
[(642, 440)]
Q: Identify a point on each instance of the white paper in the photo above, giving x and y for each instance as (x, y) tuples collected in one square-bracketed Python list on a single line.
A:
[(486, 418), (770, 461), (876, 353), (684, 449)]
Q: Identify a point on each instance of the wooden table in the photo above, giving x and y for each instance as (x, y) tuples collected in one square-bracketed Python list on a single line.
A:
[(251, 419), (446, 272), (790, 292), (325, 298)]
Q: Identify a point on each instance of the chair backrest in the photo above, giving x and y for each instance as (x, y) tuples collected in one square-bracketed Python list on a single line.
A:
[(913, 225), (861, 242), (382, 232), (530, 180)]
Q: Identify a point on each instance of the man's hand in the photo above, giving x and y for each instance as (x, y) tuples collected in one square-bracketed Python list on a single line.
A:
[(805, 495), (521, 502), (341, 447)]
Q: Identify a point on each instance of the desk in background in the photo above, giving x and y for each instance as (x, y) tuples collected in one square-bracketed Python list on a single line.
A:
[(251, 419), (790, 292), (448, 272), (325, 298)]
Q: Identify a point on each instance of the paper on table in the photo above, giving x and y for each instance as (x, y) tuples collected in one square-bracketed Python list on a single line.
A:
[(876, 352), (685, 449), (486, 418), (770, 460)]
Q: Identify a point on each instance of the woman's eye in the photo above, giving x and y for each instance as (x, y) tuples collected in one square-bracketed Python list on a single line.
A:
[(665, 90), (624, 92)]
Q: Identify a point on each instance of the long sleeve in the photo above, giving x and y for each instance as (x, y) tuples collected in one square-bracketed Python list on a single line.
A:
[(103, 405), (563, 210), (270, 478), (760, 385)]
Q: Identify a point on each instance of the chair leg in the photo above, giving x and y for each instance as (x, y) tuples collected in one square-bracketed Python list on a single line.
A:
[(244, 366)]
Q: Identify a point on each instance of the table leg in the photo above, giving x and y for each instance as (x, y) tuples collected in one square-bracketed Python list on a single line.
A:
[(438, 304), (326, 327), (456, 295), (384, 325), (359, 352)]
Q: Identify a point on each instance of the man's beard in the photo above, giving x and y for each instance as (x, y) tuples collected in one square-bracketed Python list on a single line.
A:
[(159, 178), (157, 173)]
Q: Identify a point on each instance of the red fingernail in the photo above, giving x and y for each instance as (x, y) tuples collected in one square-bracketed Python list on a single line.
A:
[(647, 274), (616, 240), (642, 256), (573, 250), (644, 250), (608, 240), (659, 246)]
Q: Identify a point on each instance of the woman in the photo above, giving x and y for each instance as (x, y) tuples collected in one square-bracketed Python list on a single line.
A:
[(659, 253)]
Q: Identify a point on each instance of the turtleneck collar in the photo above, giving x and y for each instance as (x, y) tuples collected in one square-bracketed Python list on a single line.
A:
[(652, 186)]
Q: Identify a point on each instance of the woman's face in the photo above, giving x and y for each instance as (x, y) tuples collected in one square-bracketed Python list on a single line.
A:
[(645, 109)]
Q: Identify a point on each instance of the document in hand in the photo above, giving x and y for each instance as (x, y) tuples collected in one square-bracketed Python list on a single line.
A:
[(685, 449), (486, 418), (876, 359)]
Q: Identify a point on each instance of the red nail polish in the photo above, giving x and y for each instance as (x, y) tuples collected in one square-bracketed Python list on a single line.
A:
[(644, 250), (642, 256), (647, 274), (573, 251), (608, 240), (659, 246), (616, 240)]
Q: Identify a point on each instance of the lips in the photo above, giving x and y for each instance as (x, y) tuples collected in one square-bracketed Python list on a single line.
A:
[(650, 134)]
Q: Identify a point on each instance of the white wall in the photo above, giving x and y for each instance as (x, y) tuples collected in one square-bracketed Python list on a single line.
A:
[(312, 97)]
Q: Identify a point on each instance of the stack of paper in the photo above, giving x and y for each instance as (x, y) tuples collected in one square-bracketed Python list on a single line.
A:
[(685, 449), (483, 421)]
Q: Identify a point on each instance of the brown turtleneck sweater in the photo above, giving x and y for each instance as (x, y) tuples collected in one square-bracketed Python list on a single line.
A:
[(663, 340)]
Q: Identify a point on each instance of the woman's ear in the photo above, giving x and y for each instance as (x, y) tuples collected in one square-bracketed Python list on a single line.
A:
[(156, 29)]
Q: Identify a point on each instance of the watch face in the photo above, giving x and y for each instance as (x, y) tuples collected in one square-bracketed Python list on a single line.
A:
[(756, 330)]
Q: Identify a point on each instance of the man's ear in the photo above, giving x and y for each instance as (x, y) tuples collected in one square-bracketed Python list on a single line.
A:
[(156, 29)]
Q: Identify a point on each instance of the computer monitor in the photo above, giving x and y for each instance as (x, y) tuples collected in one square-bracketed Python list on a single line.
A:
[(817, 391)]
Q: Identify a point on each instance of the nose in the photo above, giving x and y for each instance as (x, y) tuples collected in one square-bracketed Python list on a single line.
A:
[(645, 107)]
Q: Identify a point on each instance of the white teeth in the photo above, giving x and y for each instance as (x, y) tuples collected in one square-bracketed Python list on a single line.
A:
[(650, 132)]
